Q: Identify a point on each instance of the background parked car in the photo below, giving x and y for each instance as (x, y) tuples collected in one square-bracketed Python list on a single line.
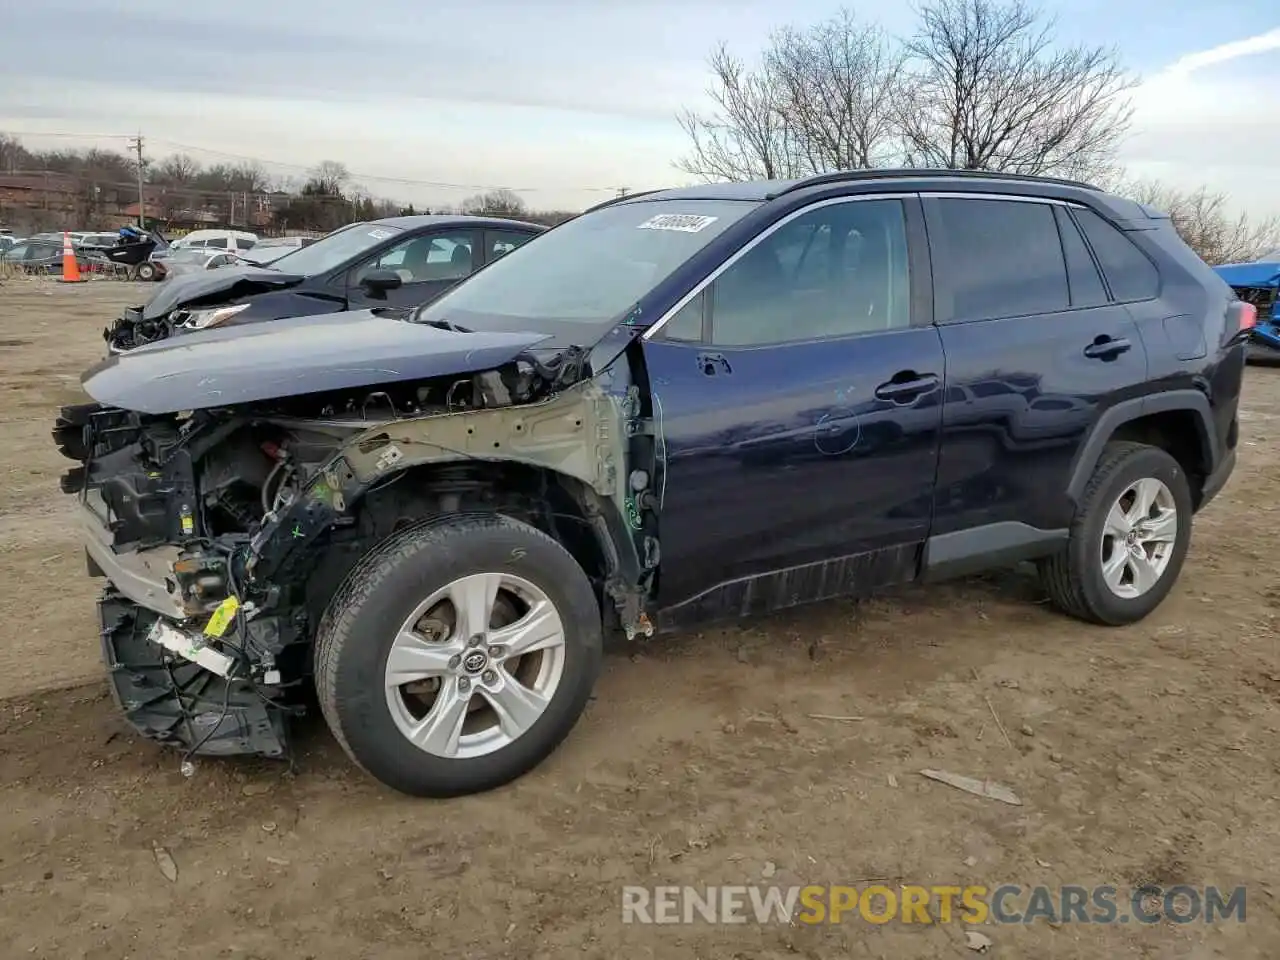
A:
[(236, 241), (270, 249), (42, 256), (398, 261), (190, 260), (1259, 284)]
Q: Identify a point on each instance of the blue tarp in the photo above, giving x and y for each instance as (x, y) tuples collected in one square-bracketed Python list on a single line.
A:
[(1250, 274)]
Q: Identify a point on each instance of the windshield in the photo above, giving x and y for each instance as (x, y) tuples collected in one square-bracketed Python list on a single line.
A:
[(334, 249), (591, 269)]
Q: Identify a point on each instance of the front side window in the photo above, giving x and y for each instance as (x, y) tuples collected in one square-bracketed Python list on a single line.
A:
[(420, 259), (836, 271), (589, 270), (1004, 258)]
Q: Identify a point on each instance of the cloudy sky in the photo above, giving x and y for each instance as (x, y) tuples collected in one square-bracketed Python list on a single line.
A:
[(563, 100)]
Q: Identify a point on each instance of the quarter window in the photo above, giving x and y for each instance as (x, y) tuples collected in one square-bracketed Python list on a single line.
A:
[(503, 241), (838, 270), (1129, 273)]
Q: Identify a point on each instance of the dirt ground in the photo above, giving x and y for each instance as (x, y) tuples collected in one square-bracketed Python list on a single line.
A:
[(1142, 754)]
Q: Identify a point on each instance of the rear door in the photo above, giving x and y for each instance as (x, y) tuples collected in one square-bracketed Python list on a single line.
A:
[(1035, 351), (797, 399)]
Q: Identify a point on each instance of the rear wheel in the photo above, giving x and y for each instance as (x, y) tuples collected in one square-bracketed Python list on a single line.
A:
[(458, 655), (1129, 539), (146, 271)]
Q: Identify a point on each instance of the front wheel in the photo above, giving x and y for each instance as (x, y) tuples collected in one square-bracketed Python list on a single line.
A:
[(1129, 539), (458, 655)]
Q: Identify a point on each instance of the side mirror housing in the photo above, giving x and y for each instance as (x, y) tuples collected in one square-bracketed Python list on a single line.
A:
[(376, 283)]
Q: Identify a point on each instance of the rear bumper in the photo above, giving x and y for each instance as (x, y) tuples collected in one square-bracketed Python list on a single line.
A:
[(1214, 483)]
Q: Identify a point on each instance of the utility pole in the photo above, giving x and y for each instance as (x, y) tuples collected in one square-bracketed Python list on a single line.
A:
[(136, 144), (623, 191)]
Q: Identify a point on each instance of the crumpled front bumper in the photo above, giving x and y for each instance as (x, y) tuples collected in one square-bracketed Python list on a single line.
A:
[(165, 696), (142, 576), (174, 701)]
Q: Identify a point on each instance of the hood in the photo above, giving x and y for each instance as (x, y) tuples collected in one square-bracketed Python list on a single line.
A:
[(298, 355), (231, 281)]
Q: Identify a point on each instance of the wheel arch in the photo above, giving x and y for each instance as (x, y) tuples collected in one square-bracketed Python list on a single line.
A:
[(1180, 422), (559, 460)]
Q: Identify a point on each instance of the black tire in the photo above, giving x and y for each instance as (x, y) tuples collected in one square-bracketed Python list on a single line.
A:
[(1073, 578), (360, 623)]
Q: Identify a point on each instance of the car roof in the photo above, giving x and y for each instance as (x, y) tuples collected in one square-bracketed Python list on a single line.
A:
[(420, 220), (1125, 212)]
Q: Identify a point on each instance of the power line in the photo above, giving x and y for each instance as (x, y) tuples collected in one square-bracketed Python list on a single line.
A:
[(244, 158)]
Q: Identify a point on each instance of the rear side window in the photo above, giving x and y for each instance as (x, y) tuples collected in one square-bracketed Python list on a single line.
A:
[(1004, 258), (219, 242), (1129, 273), (1086, 284)]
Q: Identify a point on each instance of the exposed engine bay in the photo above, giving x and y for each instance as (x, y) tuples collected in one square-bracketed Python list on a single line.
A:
[(224, 532)]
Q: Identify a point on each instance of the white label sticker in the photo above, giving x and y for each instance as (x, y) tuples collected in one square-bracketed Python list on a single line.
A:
[(379, 234), (680, 222)]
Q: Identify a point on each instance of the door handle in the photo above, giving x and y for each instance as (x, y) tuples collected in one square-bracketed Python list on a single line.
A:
[(712, 363), (1106, 348), (906, 386)]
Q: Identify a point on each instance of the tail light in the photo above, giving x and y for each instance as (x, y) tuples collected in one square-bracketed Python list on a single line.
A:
[(1248, 316)]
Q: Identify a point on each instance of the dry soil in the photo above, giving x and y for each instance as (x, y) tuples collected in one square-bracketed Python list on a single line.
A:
[(1144, 754)]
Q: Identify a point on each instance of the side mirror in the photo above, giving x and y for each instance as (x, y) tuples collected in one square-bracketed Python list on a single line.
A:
[(376, 283)]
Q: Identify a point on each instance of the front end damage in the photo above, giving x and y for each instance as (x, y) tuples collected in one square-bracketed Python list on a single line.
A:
[(224, 532)]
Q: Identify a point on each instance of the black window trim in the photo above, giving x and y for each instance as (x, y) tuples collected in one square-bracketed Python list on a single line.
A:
[(940, 252), (919, 299), (1097, 261), (1088, 251)]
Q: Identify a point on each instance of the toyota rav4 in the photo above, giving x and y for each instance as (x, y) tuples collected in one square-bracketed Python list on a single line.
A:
[(687, 405)]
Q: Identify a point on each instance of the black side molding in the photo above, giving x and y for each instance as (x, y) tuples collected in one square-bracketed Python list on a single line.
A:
[(1126, 410), (988, 547)]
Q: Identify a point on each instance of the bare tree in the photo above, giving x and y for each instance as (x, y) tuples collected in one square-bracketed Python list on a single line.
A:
[(177, 168), (1206, 225), (837, 83), (495, 203), (987, 89), (329, 177), (746, 136)]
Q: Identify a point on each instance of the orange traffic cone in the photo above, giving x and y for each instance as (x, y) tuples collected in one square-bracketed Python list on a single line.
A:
[(70, 268)]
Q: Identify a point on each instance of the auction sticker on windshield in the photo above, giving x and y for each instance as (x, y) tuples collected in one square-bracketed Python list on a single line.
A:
[(378, 234), (680, 222)]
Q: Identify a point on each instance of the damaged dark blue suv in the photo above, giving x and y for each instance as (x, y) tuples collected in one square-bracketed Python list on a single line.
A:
[(680, 406)]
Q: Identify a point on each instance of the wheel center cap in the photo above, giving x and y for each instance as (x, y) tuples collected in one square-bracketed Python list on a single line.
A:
[(475, 662)]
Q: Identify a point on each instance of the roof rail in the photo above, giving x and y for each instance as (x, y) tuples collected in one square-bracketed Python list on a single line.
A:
[(918, 173), (626, 196)]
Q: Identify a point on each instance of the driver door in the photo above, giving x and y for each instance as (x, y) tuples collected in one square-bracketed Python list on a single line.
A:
[(427, 264)]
